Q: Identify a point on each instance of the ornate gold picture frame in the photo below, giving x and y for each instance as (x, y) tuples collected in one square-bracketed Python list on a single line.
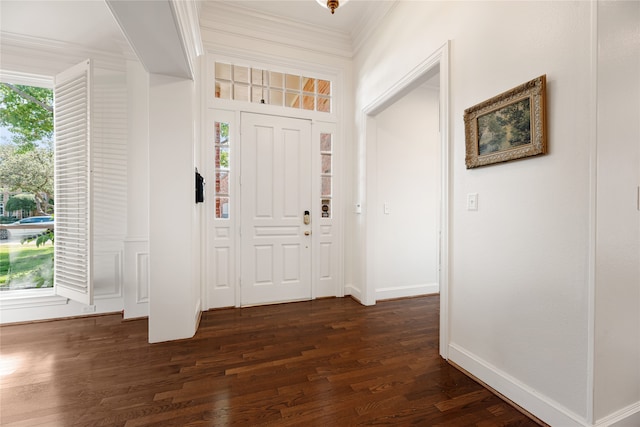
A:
[(507, 127)]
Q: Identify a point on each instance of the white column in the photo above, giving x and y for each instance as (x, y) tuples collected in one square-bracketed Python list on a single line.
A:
[(174, 303)]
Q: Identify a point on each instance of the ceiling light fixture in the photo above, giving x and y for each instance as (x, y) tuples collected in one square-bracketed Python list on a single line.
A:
[(331, 4)]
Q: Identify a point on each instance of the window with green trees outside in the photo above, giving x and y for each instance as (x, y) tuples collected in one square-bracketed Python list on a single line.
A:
[(26, 187)]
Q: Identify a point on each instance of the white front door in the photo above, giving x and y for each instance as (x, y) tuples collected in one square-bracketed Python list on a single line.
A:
[(275, 194)]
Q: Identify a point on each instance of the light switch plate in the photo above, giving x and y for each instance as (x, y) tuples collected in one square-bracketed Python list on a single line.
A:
[(472, 201)]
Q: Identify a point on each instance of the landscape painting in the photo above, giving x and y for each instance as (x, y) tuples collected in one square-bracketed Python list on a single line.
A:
[(507, 127)]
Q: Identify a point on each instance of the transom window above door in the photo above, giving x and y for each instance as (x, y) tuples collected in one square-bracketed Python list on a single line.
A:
[(260, 86)]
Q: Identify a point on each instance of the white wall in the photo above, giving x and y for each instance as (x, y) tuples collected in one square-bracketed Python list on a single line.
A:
[(136, 246), (519, 279), (617, 288), (408, 177)]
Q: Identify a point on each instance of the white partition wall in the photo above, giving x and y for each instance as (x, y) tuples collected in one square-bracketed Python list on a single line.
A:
[(174, 296), (617, 251), (136, 244)]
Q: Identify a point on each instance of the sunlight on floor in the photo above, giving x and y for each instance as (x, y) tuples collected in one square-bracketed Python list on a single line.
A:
[(10, 364)]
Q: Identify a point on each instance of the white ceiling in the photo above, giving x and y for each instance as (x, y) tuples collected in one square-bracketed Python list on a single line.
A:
[(89, 23), (347, 16)]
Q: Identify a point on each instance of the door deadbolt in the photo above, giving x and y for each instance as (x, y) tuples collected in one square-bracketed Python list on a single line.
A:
[(307, 218)]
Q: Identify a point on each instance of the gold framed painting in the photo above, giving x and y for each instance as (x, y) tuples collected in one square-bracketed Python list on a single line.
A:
[(507, 127)]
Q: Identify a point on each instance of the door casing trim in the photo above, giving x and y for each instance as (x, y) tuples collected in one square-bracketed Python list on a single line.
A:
[(438, 61)]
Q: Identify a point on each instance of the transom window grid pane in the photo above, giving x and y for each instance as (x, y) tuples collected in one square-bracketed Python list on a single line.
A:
[(222, 157), (326, 174), (256, 85)]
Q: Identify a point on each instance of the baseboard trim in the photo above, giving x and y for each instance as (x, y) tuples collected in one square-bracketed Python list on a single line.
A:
[(625, 417), (55, 319), (407, 291), (353, 291), (198, 316), (532, 402), (500, 395)]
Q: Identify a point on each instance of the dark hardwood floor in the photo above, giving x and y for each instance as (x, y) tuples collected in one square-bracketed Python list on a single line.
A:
[(330, 362)]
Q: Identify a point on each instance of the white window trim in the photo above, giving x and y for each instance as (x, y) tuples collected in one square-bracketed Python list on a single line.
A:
[(29, 298)]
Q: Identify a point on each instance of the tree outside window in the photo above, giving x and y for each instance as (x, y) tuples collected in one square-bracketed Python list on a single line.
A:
[(26, 183)]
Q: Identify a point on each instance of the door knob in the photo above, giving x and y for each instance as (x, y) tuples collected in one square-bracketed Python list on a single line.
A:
[(307, 233)]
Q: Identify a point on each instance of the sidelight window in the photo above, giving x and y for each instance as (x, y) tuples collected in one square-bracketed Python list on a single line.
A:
[(326, 173), (222, 169)]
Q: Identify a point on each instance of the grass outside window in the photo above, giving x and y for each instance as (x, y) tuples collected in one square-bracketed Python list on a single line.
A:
[(26, 266)]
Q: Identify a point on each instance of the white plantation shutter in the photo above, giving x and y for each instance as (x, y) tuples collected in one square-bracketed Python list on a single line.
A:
[(72, 177)]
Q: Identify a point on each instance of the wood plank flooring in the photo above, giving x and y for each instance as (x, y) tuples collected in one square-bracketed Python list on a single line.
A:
[(330, 362)]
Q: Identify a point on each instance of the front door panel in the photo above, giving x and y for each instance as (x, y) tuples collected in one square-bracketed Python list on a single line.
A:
[(276, 192)]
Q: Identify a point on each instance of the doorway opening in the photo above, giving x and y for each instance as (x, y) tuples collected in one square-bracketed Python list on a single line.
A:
[(384, 163)]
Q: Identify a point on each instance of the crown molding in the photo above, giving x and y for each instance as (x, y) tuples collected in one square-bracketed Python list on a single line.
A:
[(27, 79), (370, 22), (188, 23), (63, 51), (221, 18)]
